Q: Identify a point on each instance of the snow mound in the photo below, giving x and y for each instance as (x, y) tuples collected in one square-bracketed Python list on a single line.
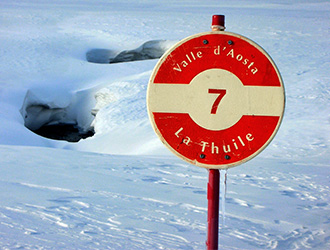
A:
[(67, 118), (149, 50)]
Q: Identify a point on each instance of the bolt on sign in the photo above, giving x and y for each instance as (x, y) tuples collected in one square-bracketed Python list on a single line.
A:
[(216, 99)]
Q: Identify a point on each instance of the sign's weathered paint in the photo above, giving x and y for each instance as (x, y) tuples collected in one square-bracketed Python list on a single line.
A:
[(216, 99)]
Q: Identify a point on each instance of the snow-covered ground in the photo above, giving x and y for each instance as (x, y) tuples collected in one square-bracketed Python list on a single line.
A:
[(121, 188)]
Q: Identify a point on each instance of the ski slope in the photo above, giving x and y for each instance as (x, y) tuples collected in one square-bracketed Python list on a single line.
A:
[(121, 188)]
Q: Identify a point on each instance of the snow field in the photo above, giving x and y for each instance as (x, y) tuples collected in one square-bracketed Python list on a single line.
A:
[(105, 193), (94, 201)]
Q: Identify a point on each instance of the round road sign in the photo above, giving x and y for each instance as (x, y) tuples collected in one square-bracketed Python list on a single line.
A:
[(216, 99)]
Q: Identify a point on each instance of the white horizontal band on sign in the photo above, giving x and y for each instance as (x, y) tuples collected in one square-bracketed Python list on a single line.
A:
[(196, 100)]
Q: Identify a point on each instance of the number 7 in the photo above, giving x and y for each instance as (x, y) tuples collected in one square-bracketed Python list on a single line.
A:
[(221, 93)]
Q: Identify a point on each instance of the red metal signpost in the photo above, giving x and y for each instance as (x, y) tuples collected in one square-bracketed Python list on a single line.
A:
[(213, 186), (216, 100), (213, 190)]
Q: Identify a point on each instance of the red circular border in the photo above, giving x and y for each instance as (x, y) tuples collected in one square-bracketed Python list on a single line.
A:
[(194, 143)]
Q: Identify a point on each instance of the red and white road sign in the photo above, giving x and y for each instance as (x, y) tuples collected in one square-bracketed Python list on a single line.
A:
[(216, 99)]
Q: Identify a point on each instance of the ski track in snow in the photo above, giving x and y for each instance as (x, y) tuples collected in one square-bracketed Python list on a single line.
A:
[(123, 202), (95, 216)]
